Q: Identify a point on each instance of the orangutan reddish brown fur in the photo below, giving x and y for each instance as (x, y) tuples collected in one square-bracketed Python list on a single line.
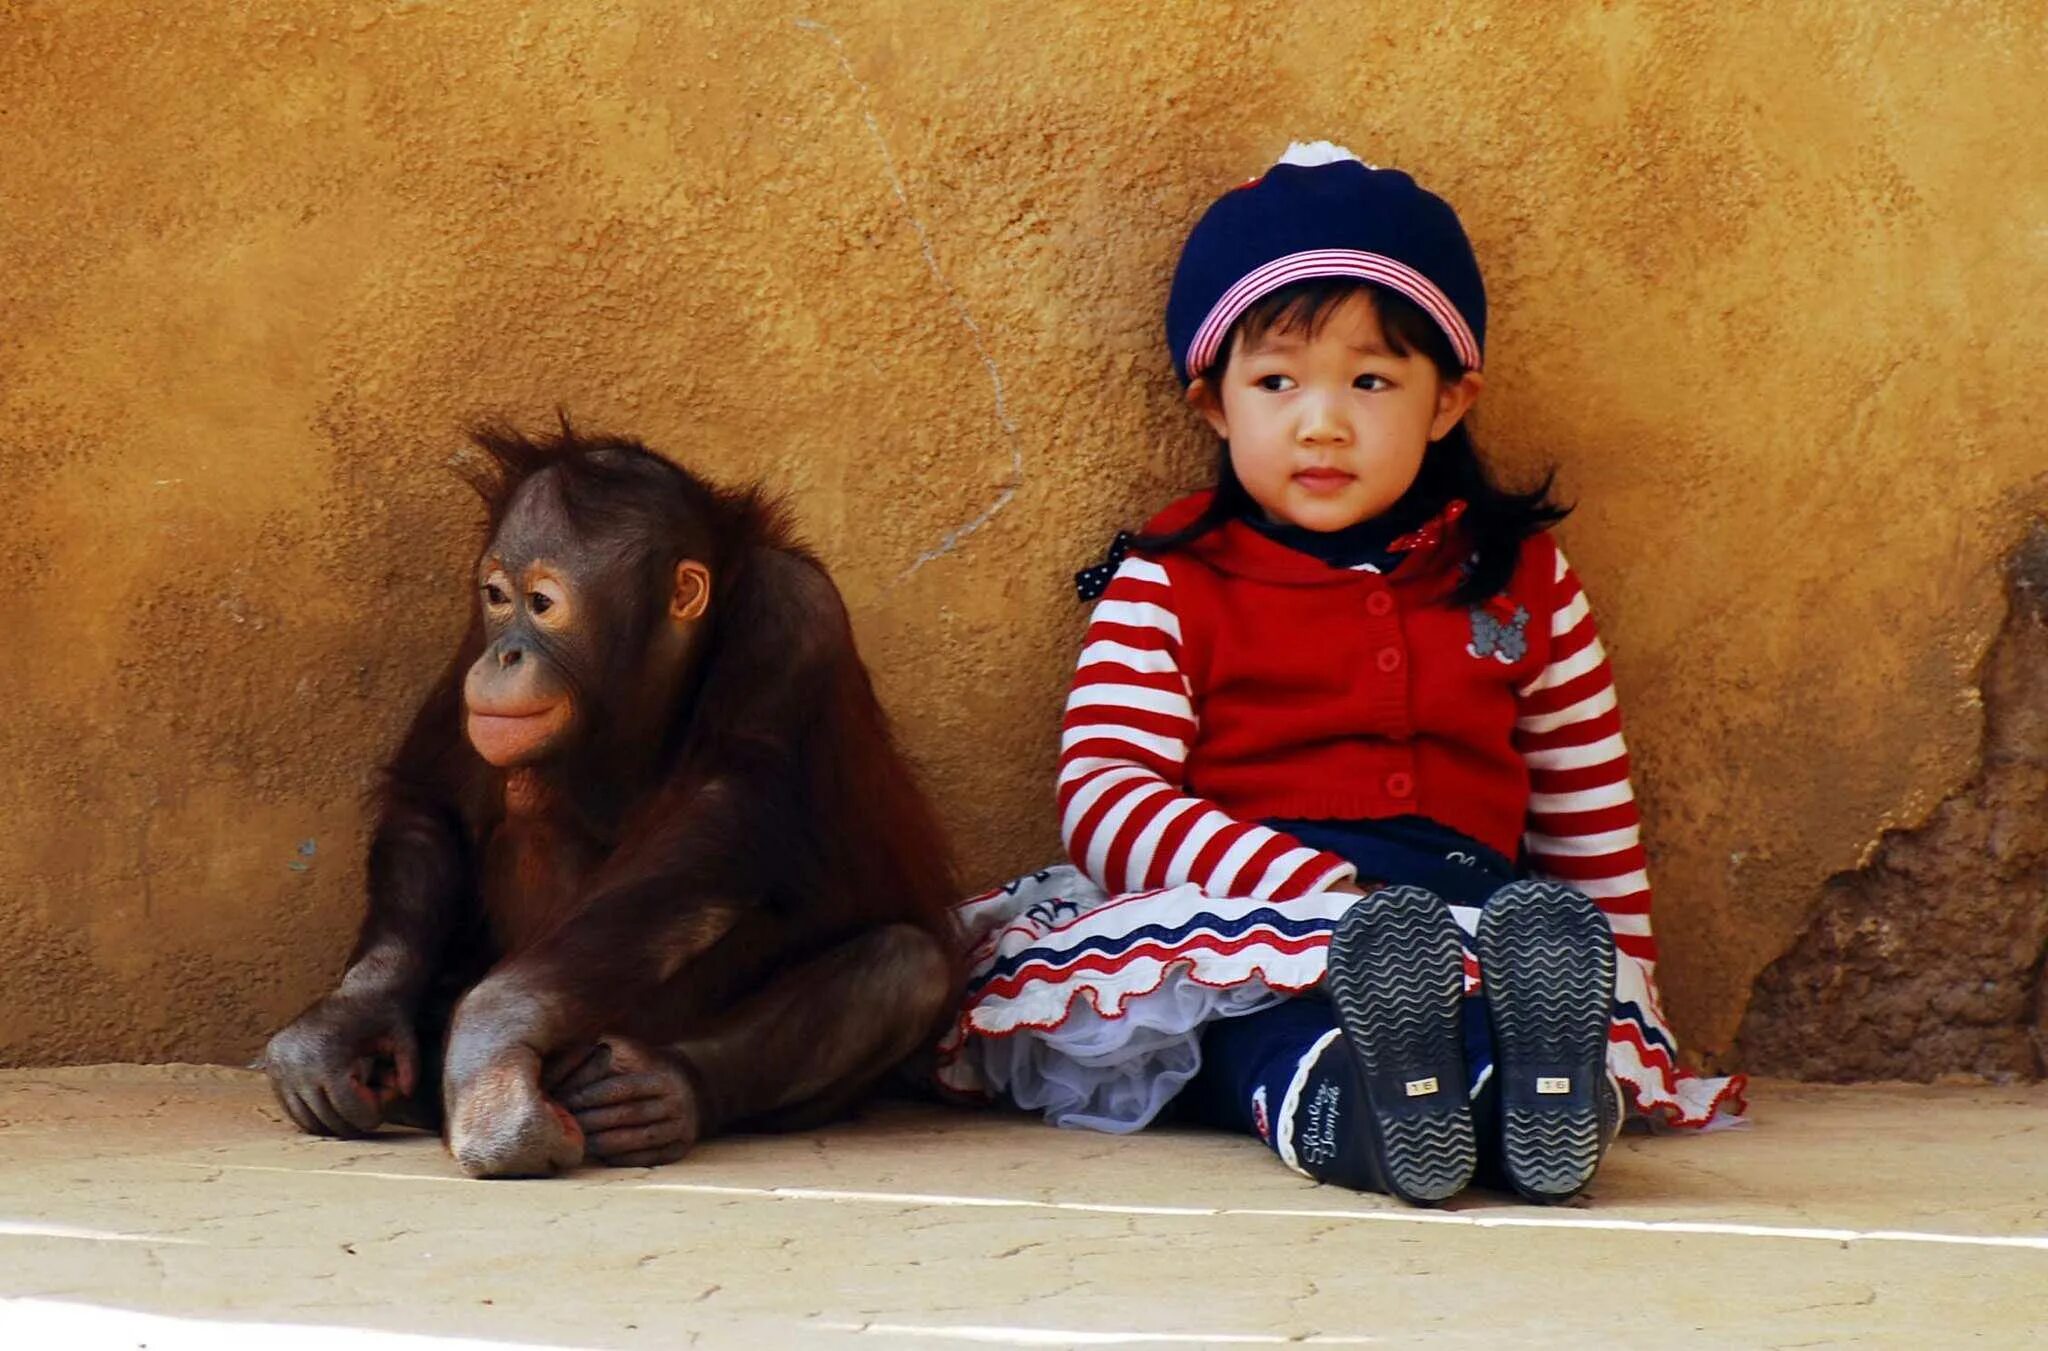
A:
[(648, 865)]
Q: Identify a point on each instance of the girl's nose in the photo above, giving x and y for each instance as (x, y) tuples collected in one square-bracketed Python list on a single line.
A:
[(1322, 421)]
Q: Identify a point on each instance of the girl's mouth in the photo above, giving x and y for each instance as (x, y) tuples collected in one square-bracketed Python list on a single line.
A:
[(1324, 480)]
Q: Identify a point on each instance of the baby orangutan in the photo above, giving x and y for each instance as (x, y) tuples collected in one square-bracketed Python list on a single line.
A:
[(648, 865)]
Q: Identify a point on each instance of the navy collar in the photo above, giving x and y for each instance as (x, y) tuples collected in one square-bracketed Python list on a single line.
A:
[(1365, 545)]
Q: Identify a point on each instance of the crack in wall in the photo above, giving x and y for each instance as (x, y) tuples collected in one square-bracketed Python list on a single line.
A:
[(1007, 489), (1927, 961)]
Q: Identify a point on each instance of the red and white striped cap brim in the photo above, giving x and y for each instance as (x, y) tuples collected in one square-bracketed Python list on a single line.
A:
[(1372, 267)]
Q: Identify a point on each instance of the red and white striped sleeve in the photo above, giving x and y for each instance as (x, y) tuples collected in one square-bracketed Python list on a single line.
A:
[(1583, 827), (1123, 744)]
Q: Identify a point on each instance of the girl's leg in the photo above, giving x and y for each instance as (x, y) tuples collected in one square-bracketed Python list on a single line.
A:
[(1546, 955), (1369, 1090), (1284, 1075), (1287, 1077)]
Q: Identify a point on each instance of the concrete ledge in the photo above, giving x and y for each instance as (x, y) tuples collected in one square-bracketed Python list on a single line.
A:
[(171, 1205)]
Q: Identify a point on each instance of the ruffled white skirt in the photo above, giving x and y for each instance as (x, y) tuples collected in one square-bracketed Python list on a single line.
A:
[(1089, 1007)]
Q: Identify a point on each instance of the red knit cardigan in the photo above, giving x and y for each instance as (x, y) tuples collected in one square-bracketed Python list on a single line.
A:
[(1238, 679)]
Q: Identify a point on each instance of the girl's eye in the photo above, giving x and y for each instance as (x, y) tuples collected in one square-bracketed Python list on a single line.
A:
[(1372, 382), (494, 595), (1275, 384), (539, 601)]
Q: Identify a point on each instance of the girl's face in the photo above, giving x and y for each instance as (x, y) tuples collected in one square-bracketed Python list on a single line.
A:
[(1329, 430)]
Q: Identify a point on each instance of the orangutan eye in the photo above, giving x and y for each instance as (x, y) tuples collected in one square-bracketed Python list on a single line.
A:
[(540, 601), (494, 595)]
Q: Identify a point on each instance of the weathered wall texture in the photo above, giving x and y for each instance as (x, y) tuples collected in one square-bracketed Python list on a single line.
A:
[(1768, 281), (1927, 961)]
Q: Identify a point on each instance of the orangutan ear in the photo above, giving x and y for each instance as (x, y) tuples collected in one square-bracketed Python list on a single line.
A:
[(692, 594)]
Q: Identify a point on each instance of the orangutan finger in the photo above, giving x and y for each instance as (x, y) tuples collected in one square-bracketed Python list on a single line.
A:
[(626, 1140), (639, 1112), (296, 1110), (402, 1049), (322, 1107), (575, 1067), (619, 1088), (356, 1104)]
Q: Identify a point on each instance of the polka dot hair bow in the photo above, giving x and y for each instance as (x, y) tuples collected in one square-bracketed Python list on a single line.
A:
[(1091, 582), (1432, 531)]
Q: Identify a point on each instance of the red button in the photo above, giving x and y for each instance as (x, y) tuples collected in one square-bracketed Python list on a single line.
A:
[(1389, 660), (1379, 603), (1400, 785)]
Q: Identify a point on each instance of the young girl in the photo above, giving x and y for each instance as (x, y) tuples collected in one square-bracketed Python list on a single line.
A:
[(1341, 771)]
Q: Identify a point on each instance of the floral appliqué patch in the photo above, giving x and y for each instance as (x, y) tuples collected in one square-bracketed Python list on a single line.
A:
[(1500, 629)]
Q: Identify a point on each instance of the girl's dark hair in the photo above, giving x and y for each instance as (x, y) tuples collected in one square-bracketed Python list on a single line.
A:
[(1496, 519)]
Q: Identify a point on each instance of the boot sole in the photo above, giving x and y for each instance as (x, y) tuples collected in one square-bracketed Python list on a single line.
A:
[(1546, 954), (1397, 978)]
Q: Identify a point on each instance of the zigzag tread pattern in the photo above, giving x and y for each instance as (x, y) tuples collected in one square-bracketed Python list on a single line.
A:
[(1554, 1153), (1547, 957), (1396, 974), (1430, 1158)]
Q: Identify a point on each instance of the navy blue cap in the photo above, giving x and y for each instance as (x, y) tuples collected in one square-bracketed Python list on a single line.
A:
[(1321, 213)]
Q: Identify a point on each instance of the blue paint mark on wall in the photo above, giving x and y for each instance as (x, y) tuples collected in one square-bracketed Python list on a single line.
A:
[(307, 848)]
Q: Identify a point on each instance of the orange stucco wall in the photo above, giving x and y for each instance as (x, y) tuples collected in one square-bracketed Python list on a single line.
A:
[(1767, 281)]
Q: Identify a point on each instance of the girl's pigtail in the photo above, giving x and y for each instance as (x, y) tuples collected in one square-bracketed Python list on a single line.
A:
[(1229, 502), (1496, 519)]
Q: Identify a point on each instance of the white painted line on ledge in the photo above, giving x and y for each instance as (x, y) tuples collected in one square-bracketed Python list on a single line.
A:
[(50, 1322), (1004, 1336), (25, 1229), (1392, 1214), (344, 1172), (1469, 1219)]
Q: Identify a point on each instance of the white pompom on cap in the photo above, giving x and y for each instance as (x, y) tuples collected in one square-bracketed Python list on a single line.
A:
[(1308, 154)]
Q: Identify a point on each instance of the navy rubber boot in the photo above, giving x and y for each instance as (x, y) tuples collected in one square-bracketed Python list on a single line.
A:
[(1547, 956), (1397, 978)]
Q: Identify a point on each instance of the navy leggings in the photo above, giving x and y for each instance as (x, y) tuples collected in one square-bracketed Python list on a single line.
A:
[(1239, 1054)]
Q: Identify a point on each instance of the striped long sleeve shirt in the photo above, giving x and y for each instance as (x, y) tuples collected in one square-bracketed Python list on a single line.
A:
[(1238, 680)]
